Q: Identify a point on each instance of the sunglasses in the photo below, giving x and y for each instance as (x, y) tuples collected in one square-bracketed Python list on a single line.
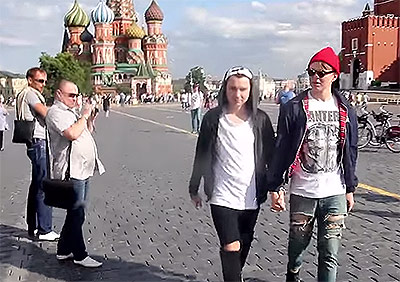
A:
[(321, 74), (41, 81), (238, 71)]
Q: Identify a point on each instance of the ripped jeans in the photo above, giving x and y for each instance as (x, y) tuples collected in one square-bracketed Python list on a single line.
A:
[(329, 213)]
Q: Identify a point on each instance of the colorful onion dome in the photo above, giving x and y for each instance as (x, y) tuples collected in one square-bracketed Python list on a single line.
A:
[(154, 13), (102, 13), (86, 36), (135, 32), (76, 16)]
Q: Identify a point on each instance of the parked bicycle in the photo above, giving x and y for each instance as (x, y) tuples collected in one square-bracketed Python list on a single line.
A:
[(380, 133)]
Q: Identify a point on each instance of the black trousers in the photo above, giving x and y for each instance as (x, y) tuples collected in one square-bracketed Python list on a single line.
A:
[(234, 225), (1, 139)]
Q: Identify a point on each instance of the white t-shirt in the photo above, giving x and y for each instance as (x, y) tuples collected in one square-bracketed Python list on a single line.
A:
[(196, 99), (318, 174), (234, 169)]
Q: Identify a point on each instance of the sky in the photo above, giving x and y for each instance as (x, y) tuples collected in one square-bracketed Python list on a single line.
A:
[(276, 37)]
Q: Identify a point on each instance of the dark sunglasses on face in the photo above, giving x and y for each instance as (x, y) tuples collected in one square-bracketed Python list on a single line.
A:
[(321, 74), (41, 81)]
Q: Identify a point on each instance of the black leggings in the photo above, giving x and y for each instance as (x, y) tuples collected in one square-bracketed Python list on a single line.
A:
[(234, 225)]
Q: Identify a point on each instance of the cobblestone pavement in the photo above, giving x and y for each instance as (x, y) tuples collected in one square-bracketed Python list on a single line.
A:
[(141, 224)]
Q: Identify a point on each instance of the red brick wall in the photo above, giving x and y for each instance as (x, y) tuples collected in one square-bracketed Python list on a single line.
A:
[(378, 37), (384, 7)]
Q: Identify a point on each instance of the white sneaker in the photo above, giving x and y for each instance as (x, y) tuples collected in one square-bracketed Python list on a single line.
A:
[(65, 257), (88, 262), (51, 236)]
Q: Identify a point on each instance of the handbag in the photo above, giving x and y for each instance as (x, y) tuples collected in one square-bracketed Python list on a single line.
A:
[(60, 193), (23, 129)]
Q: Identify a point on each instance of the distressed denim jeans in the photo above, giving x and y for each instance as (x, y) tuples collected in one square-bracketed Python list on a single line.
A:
[(329, 213)]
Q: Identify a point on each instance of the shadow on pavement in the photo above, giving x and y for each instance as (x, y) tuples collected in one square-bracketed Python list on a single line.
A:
[(17, 250), (378, 213), (377, 198)]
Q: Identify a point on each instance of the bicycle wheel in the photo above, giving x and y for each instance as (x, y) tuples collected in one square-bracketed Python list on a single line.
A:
[(393, 144), (364, 136), (374, 139)]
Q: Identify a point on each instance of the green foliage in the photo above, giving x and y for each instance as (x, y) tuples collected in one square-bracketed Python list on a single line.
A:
[(376, 83), (123, 88), (196, 75), (65, 66)]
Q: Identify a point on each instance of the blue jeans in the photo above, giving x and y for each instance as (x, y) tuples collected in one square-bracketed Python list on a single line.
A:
[(71, 237), (195, 117), (38, 214), (329, 213)]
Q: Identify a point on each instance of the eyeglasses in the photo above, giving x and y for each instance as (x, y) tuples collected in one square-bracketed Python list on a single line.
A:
[(238, 71), (42, 81), (321, 74), (72, 95)]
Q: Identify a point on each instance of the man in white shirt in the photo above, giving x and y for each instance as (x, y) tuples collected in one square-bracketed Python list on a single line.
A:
[(73, 146), (196, 100), (31, 106), (317, 148)]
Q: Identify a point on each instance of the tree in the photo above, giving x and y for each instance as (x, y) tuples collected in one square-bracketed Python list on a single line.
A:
[(196, 75), (65, 66)]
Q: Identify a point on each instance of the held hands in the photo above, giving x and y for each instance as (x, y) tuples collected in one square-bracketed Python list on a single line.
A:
[(197, 201), (278, 201)]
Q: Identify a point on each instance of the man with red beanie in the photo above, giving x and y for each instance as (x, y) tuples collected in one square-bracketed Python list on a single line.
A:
[(316, 148)]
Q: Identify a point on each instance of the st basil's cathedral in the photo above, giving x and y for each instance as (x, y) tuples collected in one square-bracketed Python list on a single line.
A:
[(121, 52)]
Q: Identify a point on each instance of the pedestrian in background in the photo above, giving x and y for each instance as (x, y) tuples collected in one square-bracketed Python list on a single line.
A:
[(3, 122), (73, 146), (233, 152), (106, 104), (285, 95), (317, 148), (31, 106), (196, 100)]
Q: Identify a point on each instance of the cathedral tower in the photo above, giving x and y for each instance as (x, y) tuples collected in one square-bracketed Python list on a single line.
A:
[(76, 20), (103, 47), (155, 44)]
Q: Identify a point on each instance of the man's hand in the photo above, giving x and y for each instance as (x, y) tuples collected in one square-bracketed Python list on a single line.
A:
[(87, 111), (197, 201), (278, 201), (350, 201)]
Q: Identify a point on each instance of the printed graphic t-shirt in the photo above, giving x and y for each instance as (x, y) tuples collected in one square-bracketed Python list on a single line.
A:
[(318, 174)]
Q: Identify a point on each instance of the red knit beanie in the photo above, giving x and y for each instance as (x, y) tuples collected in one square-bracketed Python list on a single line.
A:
[(327, 55)]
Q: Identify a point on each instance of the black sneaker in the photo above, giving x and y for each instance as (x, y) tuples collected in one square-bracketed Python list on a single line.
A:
[(293, 277)]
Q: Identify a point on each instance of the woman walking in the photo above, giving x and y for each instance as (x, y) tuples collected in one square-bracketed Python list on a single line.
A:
[(234, 148)]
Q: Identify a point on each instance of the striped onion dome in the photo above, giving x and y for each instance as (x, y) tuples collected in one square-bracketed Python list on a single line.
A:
[(135, 32), (102, 13), (76, 16), (154, 13)]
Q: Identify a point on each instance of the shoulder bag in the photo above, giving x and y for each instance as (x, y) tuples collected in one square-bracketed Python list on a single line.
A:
[(23, 129), (59, 193)]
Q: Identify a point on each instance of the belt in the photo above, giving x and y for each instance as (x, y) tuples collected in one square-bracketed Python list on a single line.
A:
[(35, 140)]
